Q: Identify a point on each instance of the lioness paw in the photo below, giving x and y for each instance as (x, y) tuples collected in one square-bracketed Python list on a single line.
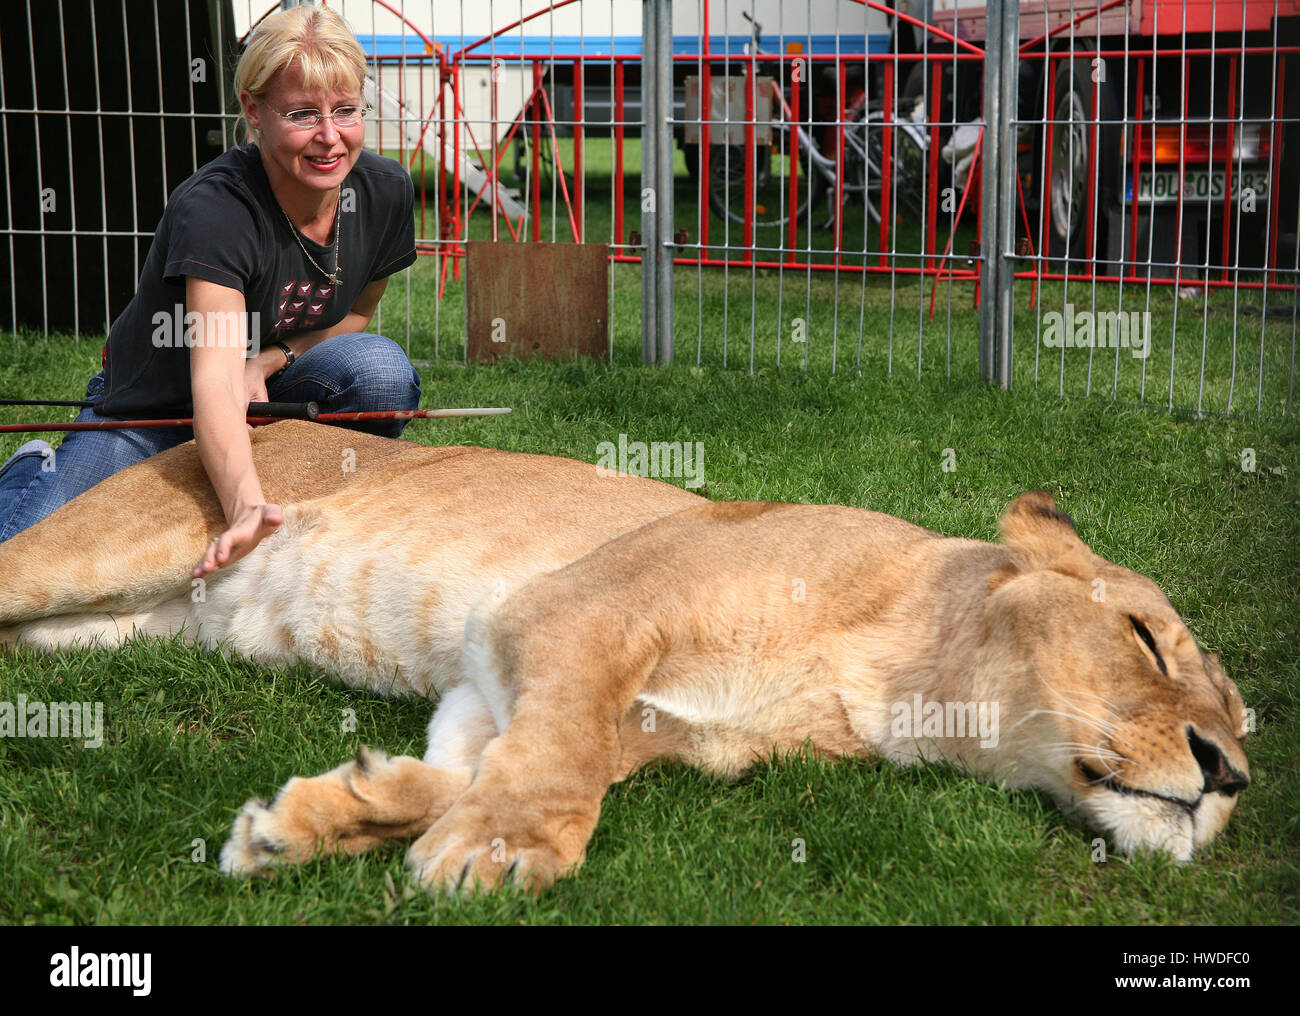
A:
[(455, 862), (253, 842)]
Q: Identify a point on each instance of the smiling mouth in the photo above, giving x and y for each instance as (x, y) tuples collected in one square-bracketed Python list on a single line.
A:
[(324, 162), (1110, 783)]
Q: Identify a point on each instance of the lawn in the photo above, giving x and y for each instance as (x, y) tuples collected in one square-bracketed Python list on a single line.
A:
[(129, 832)]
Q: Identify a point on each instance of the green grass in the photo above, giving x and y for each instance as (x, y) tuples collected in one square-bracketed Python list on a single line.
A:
[(1207, 356), (108, 835)]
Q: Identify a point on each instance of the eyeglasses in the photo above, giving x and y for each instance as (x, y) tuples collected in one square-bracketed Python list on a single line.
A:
[(344, 116)]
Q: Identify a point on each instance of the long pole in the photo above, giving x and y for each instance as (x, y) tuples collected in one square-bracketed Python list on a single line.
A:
[(188, 421), (289, 410)]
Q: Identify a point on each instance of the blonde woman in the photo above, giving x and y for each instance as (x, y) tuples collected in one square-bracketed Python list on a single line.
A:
[(263, 275)]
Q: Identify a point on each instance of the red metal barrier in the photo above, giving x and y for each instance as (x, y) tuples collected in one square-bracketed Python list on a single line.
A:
[(885, 74)]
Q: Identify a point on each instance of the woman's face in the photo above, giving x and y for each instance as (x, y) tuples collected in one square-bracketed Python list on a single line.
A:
[(306, 161)]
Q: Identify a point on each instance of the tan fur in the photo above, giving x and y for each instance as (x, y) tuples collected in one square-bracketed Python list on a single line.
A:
[(578, 627)]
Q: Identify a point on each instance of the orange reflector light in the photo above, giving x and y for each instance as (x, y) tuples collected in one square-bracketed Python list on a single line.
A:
[(1198, 144)]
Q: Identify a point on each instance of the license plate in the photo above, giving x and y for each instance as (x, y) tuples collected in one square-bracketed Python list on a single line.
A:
[(1161, 186)]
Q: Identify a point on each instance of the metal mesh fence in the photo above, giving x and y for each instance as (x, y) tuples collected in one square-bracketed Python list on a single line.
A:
[(104, 109), (1157, 157), (1108, 205)]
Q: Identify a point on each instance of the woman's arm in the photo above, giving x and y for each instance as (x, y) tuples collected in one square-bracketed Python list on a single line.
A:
[(223, 383)]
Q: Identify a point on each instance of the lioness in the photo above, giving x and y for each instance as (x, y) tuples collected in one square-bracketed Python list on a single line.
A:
[(577, 627)]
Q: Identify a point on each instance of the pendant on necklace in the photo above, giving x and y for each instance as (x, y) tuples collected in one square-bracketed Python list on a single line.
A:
[(335, 278)]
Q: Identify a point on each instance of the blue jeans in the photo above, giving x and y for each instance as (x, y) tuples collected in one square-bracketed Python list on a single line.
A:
[(352, 373)]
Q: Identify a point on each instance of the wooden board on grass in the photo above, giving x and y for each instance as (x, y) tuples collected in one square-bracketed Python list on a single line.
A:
[(536, 299)]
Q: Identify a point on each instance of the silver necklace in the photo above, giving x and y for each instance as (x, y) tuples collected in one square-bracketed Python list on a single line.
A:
[(336, 276)]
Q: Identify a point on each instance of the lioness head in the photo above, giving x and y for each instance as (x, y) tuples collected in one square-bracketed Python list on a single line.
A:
[(1125, 720)]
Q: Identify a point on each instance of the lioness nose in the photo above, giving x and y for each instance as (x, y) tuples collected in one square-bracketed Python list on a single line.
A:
[(1219, 774)]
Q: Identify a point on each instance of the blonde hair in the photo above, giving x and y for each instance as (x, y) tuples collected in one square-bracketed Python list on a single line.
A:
[(315, 39)]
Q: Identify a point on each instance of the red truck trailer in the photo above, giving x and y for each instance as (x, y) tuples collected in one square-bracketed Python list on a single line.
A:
[(1161, 131)]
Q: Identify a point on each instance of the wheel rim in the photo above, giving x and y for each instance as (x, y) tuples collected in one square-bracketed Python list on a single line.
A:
[(1069, 166), (771, 186), (909, 167)]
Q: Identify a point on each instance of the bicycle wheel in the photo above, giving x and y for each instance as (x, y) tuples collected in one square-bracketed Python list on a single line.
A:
[(771, 173), (865, 156)]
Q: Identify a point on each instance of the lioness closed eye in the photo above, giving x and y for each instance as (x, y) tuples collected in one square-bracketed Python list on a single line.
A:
[(549, 608)]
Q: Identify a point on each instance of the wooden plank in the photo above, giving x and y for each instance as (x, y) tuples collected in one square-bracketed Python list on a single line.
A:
[(536, 299)]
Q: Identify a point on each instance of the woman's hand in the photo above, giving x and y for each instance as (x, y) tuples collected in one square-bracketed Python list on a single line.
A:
[(248, 529), (256, 522), (254, 382)]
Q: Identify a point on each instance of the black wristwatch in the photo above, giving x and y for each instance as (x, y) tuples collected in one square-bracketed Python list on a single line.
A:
[(289, 357)]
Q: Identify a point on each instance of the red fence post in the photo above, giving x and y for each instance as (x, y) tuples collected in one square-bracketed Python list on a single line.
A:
[(455, 190), (1275, 173), (1182, 174), (577, 143), (536, 183), (1227, 176), (444, 211), (886, 161), (706, 112), (493, 190), (1045, 184), (792, 226), (842, 85), (932, 208), (618, 151), (1137, 165), (1090, 207), (751, 159)]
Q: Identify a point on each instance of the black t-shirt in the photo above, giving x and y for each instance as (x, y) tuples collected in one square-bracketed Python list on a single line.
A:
[(224, 225)]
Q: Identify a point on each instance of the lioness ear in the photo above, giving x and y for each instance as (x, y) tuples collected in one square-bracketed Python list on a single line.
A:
[(1040, 535)]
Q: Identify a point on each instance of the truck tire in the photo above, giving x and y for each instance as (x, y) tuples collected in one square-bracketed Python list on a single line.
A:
[(1069, 227)]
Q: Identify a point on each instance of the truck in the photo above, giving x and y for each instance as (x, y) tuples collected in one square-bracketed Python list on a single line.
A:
[(1160, 133)]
